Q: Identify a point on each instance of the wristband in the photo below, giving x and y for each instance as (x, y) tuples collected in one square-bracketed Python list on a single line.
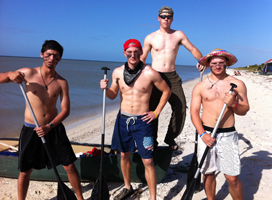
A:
[(236, 104), (51, 125), (155, 114), (202, 134)]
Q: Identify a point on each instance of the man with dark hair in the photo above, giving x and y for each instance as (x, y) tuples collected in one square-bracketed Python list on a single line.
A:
[(135, 81), (52, 44), (213, 93), (164, 45), (43, 87)]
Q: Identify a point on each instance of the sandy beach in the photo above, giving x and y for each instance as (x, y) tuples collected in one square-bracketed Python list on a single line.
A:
[(255, 145)]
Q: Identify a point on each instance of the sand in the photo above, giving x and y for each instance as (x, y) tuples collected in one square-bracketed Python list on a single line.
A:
[(255, 145)]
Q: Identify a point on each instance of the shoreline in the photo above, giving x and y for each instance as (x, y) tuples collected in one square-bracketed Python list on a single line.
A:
[(255, 146)]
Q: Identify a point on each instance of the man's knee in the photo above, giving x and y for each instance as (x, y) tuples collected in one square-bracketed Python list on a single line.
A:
[(70, 168), (148, 162), (125, 156), (26, 174), (232, 180)]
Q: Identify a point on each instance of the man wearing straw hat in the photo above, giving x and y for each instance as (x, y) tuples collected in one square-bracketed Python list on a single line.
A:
[(212, 93), (163, 45)]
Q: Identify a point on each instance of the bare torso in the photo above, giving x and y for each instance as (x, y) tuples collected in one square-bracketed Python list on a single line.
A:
[(213, 101), (42, 101), (164, 49), (135, 97)]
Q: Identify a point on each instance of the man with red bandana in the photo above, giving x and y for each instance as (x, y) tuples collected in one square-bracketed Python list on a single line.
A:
[(135, 81)]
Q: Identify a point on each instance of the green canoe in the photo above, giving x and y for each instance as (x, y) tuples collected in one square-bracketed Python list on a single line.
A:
[(88, 167)]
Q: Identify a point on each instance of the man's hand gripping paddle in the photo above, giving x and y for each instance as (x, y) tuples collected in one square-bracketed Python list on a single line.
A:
[(100, 189), (189, 192), (64, 193)]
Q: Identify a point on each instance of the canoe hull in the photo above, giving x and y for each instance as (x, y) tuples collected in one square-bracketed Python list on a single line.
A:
[(88, 167)]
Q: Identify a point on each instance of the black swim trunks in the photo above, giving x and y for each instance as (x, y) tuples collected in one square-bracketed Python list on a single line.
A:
[(32, 153)]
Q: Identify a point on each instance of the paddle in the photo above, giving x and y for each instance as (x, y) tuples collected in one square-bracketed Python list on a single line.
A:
[(9, 146), (189, 192), (194, 163), (64, 193), (100, 189)]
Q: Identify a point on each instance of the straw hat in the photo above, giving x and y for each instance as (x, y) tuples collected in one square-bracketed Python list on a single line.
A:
[(218, 52)]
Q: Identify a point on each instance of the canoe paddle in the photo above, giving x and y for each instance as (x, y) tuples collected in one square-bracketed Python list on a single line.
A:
[(189, 192), (194, 163), (100, 189), (64, 193)]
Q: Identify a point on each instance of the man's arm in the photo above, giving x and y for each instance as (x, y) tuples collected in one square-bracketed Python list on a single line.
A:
[(190, 47), (194, 51), (12, 76), (166, 92), (195, 109), (112, 92), (146, 48), (195, 117), (65, 104), (163, 87)]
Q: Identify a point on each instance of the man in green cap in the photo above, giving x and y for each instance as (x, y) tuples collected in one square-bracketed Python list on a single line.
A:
[(164, 45)]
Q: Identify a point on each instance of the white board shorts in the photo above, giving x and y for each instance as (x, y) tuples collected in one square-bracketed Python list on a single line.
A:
[(223, 155)]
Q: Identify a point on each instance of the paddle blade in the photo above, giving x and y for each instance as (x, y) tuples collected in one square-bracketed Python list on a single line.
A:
[(65, 193), (103, 192), (191, 173), (189, 192)]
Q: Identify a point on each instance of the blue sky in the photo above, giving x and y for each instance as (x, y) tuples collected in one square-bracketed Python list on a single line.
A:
[(97, 30)]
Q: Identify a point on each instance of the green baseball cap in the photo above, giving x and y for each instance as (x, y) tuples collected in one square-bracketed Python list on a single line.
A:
[(166, 9)]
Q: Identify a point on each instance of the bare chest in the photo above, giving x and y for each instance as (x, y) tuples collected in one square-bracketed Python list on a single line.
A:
[(213, 93), (139, 87), (165, 43), (38, 93)]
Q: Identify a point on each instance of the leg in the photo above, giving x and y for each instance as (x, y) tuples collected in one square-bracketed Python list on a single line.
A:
[(150, 176), (74, 179), (125, 167), (178, 104), (23, 183), (209, 185), (235, 187)]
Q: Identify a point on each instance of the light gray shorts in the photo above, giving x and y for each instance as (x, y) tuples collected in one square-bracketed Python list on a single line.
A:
[(224, 154)]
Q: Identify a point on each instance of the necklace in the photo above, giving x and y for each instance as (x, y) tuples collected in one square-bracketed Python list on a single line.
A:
[(46, 86), (215, 81)]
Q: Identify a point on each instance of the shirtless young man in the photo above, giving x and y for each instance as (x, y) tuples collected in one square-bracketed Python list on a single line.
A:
[(135, 81), (212, 93), (164, 45), (43, 87)]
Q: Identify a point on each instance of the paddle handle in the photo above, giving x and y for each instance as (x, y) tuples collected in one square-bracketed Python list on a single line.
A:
[(201, 76), (103, 135), (104, 100), (31, 110)]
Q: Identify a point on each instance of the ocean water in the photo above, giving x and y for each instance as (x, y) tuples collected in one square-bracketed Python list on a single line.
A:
[(83, 77)]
